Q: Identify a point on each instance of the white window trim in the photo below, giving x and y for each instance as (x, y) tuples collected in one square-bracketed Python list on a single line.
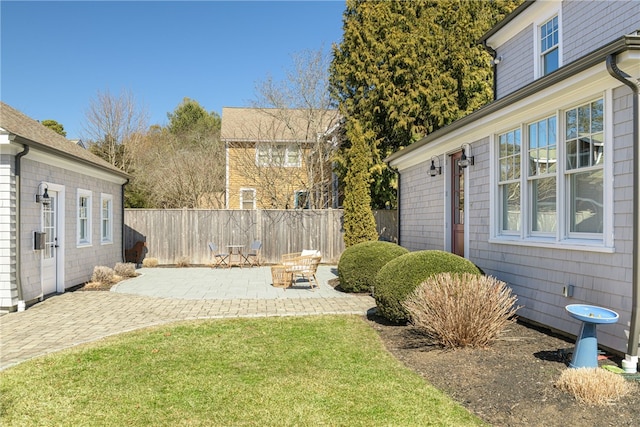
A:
[(537, 57), (106, 239), (242, 190), (88, 194), (561, 239)]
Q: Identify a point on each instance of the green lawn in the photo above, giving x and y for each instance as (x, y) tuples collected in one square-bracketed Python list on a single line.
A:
[(304, 371)]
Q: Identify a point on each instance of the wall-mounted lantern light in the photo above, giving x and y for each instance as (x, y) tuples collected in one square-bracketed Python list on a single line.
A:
[(44, 197), (465, 160), (435, 170)]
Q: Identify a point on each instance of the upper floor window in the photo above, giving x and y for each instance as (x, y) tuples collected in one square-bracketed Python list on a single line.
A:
[(106, 218), (84, 217), (549, 52), (282, 155), (247, 198)]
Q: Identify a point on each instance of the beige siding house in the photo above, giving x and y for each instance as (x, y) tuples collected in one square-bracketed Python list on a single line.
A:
[(549, 203), (279, 159), (61, 211)]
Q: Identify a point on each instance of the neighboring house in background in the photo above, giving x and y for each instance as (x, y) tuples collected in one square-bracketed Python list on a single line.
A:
[(61, 211), (546, 202), (279, 158)]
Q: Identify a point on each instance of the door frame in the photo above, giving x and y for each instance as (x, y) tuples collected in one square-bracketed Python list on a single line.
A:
[(60, 232), (449, 197)]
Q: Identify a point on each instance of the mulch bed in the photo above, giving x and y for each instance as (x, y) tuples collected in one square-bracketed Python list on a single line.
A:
[(512, 382)]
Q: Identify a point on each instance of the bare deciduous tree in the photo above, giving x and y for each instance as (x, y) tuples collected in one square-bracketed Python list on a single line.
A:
[(301, 107), (113, 124)]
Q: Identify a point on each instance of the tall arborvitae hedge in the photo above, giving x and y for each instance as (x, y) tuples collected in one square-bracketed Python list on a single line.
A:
[(359, 223)]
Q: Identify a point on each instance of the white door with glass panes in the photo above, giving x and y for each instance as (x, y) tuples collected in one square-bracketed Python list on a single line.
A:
[(50, 251)]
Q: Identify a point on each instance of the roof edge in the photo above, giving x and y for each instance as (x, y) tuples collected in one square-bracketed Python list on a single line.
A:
[(626, 42)]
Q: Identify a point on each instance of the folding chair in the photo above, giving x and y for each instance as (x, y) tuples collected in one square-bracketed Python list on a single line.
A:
[(253, 257), (219, 258)]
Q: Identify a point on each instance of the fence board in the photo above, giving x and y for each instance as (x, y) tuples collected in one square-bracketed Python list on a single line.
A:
[(172, 234)]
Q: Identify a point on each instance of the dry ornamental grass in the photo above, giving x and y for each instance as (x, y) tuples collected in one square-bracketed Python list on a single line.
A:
[(594, 386), (461, 310)]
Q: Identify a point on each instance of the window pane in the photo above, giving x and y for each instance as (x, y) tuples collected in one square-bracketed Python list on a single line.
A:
[(586, 192), (597, 116), (551, 61), (511, 206), (277, 155), (293, 155), (572, 131), (543, 201)]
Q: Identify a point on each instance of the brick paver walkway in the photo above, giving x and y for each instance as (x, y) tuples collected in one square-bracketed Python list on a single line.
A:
[(74, 318)]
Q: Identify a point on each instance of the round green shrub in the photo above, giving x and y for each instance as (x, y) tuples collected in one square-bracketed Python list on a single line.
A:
[(360, 263), (400, 277)]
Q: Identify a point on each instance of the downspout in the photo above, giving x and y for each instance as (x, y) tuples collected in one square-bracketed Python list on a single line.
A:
[(398, 206), (630, 363), (122, 212), (19, 156)]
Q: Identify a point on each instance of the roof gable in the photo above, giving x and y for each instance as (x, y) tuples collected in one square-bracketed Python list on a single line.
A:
[(36, 134), (274, 124)]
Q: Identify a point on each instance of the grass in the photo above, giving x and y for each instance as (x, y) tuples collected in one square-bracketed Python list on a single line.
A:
[(304, 371)]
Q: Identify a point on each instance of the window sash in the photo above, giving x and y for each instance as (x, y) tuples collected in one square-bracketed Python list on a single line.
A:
[(107, 220), (84, 218)]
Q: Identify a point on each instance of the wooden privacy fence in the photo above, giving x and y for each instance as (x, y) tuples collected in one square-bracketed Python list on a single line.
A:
[(175, 234)]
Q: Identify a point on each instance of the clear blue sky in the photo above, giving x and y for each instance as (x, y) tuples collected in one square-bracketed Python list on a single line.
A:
[(57, 55)]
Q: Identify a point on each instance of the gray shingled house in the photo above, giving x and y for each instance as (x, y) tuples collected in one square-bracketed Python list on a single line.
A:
[(540, 187), (61, 211)]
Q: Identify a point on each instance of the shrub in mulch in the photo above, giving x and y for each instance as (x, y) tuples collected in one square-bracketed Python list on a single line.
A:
[(360, 263), (461, 310), (594, 386)]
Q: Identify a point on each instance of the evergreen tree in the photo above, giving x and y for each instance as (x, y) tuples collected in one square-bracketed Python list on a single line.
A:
[(359, 223), (55, 126), (407, 68)]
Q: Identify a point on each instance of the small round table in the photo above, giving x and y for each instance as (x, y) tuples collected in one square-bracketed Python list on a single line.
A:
[(585, 354)]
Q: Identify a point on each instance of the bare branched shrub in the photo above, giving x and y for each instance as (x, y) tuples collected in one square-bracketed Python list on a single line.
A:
[(102, 274), (461, 310), (594, 386), (150, 262), (183, 261), (127, 269)]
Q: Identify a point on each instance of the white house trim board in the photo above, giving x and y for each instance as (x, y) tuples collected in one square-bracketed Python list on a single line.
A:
[(559, 96)]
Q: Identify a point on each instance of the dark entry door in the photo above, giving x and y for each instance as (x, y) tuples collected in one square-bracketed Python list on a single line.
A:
[(457, 205)]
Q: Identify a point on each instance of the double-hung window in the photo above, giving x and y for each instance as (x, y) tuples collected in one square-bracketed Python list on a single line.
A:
[(247, 198), (84, 217), (542, 170), (584, 144), (549, 41), (509, 183), (106, 218)]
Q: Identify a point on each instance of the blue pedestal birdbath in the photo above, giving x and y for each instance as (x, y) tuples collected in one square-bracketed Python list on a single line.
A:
[(585, 354)]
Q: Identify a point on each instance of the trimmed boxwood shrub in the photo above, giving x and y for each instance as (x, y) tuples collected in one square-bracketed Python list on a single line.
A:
[(360, 263), (400, 277)]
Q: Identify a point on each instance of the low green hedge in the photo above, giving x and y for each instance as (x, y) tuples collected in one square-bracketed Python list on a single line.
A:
[(360, 263), (400, 276)]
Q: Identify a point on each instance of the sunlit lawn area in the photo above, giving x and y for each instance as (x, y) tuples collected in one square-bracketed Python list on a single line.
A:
[(304, 371)]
